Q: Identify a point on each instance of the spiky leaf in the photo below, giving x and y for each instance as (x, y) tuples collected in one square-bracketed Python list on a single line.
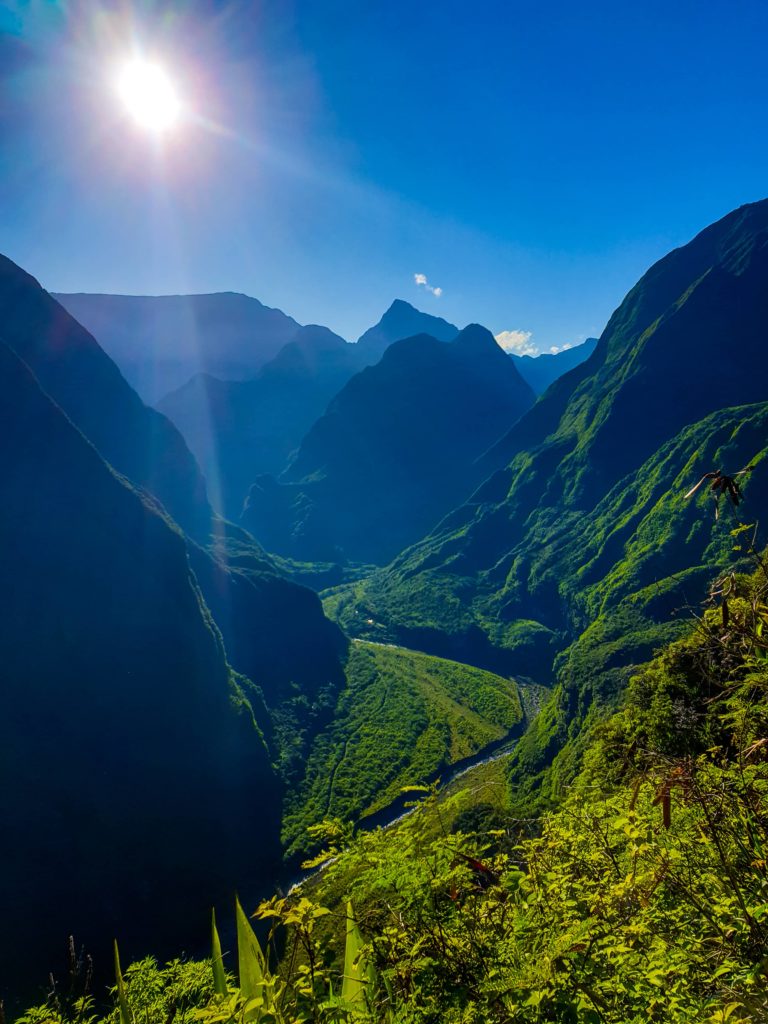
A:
[(217, 963), (122, 1001), (250, 961), (358, 974)]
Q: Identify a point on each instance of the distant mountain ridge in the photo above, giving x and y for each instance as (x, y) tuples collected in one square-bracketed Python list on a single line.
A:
[(402, 320), (241, 430), (393, 452), (542, 370), (241, 381), (161, 341)]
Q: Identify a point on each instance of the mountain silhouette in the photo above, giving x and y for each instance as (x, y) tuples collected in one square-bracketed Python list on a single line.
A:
[(394, 451), (161, 341)]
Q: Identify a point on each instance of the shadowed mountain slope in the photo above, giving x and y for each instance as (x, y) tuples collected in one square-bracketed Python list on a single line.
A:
[(135, 785), (239, 430), (401, 320), (78, 375), (395, 450), (235, 575)]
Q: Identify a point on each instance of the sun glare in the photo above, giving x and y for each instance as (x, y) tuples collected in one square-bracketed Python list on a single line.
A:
[(149, 95)]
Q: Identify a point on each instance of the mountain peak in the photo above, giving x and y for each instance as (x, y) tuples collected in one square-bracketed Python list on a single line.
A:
[(399, 306), (402, 320), (477, 339)]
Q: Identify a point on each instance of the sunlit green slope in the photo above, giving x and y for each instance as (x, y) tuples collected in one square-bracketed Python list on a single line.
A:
[(401, 717)]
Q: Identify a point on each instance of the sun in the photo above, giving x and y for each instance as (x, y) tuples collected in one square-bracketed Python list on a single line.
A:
[(149, 95)]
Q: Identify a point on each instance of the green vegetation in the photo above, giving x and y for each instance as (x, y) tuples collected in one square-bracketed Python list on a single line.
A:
[(402, 717), (616, 577), (568, 563), (644, 897)]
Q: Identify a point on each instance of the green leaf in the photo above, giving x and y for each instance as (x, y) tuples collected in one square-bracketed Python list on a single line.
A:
[(357, 973), (250, 962), (122, 1001), (217, 963)]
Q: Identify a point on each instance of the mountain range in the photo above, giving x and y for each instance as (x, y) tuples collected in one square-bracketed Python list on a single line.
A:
[(568, 560), (176, 707), (243, 382), (240, 430), (161, 341), (395, 451)]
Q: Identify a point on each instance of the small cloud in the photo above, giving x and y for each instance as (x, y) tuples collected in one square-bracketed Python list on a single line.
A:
[(422, 282), (518, 342)]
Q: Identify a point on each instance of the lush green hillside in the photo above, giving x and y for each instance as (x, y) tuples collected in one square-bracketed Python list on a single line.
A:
[(584, 537), (401, 717), (394, 451)]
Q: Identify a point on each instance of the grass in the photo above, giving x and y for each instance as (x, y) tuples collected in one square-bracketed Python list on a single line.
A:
[(402, 717)]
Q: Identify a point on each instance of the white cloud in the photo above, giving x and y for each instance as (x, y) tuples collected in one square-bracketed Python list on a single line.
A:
[(422, 282), (518, 342)]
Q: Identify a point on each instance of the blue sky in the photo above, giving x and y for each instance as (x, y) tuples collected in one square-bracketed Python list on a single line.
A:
[(530, 159)]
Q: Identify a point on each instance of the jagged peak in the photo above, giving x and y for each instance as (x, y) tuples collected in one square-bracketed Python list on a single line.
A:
[(402, 320)]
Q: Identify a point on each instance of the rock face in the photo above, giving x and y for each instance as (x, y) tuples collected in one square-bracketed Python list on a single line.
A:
[(135, 785), (161, 341), (393, 453)]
